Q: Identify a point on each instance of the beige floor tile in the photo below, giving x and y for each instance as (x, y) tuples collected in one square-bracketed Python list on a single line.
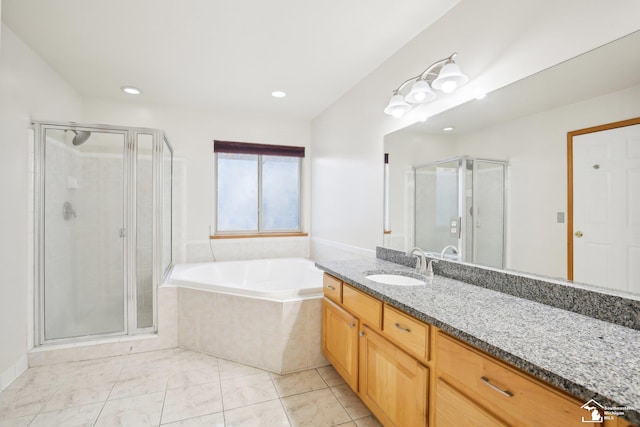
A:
[(350, 401), (318, 408), (78, 393), (145, 383), (299, 382), (143, 410), (30, 400), (17, 422), (36, 378), (247, 390), (76, 416), (184, 378), (211, 420), (330, 375), (265, 414), (192, 401), (234, 370), (369, 421), (351, 424)]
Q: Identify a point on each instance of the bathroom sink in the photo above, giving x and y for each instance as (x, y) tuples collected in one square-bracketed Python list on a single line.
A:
[(396, 279)]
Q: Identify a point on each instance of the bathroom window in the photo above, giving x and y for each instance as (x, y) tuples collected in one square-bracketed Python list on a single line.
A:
[(257, 188)]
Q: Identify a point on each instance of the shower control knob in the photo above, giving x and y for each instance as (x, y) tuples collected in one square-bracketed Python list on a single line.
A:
[(579, 234)]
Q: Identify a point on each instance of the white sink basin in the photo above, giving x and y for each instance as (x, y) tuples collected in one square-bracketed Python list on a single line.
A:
[(395, 279)]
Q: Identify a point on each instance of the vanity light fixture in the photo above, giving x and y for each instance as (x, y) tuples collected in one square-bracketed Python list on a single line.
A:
[(443, 75), (131, 90)]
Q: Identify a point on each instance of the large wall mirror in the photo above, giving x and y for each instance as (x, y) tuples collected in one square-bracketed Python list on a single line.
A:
[(496, 185)]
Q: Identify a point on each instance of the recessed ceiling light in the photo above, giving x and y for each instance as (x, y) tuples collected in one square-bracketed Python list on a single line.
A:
[(131, 90), (447, 129), (278, 94)]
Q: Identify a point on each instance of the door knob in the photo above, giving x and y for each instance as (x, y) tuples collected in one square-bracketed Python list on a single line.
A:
[(579, 234)]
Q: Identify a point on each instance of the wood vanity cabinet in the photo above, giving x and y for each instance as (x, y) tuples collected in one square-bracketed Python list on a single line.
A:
[(340, 341), (411, 374), (392, 384), (482, 387), (389, 379)]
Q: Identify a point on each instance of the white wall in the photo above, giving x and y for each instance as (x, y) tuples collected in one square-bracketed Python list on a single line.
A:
[(498, 42), (536, 148), (29, 90), (191, 133)]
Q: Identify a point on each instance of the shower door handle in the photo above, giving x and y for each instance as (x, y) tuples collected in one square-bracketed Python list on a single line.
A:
[(123, 232)]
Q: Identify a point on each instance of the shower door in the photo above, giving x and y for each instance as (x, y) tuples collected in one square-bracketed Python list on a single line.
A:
[(461, 202), (437, 182), (84, 205), (102, 206)]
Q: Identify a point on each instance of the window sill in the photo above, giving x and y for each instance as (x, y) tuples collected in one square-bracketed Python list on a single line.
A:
[(257, 235)]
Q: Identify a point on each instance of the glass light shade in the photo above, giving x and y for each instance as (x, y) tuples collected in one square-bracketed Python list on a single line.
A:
[(420, 92), (397, 106), (449, 78)]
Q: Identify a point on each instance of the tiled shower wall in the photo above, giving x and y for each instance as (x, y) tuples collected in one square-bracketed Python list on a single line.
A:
[(84, 254)]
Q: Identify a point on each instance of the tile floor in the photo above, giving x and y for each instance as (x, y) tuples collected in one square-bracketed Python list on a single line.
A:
[(178, 387)]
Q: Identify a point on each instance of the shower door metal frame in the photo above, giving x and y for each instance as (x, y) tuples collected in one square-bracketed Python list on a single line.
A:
[(462, 204), (129, 223), (505, 166)]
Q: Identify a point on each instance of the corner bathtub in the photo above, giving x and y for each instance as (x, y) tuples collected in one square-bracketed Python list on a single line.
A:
[(278, 279), (263, 313)]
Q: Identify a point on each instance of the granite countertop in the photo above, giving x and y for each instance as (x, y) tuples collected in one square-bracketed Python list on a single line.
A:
[(586, 357)]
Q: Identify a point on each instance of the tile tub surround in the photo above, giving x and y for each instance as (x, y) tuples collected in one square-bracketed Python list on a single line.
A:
[(611, 306), (280, 337), (178, 387), (586, 357)]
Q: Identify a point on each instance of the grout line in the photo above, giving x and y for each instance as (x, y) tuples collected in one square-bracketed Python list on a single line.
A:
[(110, 390)]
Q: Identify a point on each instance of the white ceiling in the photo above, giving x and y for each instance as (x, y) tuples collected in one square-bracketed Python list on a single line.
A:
[(220, 54)]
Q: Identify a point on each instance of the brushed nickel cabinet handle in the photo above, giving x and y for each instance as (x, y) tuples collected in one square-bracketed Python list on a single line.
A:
[(496, 388), (352, 325), (331, 287), (361, 333), (397, 325)]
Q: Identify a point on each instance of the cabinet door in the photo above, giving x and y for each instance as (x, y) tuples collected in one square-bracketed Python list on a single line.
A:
[(340, 341), (453, 409), (392, 383)]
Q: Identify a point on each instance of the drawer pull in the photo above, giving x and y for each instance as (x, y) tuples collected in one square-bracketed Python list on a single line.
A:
[(352, 325), (402, 328), (496, 388), (331, 287)]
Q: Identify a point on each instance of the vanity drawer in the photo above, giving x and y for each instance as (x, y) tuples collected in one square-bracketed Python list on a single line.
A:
[(364, 307), (406, 332), (332, 288), (502, 389)]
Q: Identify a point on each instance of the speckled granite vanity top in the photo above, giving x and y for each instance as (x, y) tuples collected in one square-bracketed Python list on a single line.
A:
[(586, 357)]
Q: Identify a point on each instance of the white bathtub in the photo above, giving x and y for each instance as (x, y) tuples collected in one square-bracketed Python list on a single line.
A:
[(278, 279), (263, 313)]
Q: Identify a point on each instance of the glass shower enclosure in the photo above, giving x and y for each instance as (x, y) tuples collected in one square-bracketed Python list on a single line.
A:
[(462, 202), (102, 229)]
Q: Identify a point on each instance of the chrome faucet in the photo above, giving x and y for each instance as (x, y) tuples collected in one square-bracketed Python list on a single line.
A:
[(453, 249), (429, 271), (421, 263)]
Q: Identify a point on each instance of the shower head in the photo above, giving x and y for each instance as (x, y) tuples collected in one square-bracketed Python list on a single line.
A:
[(81, 136)]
